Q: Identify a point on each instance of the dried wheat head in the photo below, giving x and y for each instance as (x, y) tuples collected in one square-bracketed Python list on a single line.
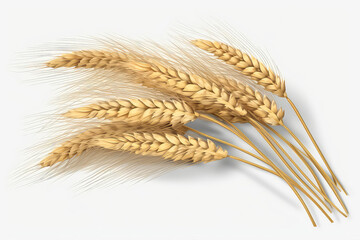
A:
[(246, 64), (167, 145)]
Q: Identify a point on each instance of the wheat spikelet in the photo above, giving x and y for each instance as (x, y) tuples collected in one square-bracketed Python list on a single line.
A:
[(81, 142), (254, 101), (89, 59), (248, 65), (149, 111), (169, 146)]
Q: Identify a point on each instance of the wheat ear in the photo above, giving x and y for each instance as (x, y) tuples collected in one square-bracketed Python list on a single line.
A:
[(265, 111), (149, 111), (248, 65), (263, 75), (82, 141), (175, 147)]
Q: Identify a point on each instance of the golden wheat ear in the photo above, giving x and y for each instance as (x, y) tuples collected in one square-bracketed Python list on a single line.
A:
[(246, 64), (104, 167), (81, 142), (264, 76), (149, 154), (175, 147), (256, 103), (140, 111)]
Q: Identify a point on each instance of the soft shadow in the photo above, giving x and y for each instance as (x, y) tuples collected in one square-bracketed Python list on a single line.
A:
[(269, 187), (223, 167)]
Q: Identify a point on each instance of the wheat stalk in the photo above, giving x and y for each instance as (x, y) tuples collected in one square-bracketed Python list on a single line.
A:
[(82, 141), (148, 111), (169, 146), (248, 65)]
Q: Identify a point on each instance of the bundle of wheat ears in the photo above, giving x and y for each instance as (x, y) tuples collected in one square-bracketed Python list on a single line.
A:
[(207, 80)]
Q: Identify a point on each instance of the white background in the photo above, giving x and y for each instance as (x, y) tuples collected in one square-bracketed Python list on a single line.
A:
[(315, 45)]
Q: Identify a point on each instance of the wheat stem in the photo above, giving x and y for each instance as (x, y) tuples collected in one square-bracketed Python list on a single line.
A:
[(299, 169), (311, 157), (315, 143), (255, 165), (268, 139), (326, 198), (224, 142), (268, 161), (258, 126), (326, 177), (259, 166), (300, 154)]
